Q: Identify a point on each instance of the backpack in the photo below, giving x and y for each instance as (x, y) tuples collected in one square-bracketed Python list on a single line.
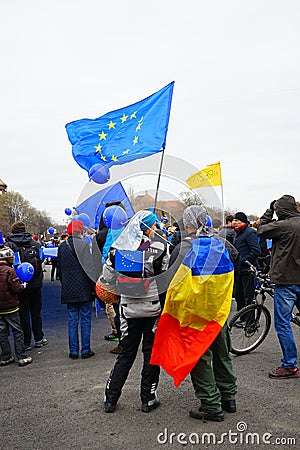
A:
[(31, 254)]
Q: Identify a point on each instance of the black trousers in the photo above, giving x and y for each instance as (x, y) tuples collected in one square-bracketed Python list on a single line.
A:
[(30, 313), (136, 329), (54, 268), (244, 289)]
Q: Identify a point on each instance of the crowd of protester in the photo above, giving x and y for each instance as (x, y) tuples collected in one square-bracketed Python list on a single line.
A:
[(272, 244)]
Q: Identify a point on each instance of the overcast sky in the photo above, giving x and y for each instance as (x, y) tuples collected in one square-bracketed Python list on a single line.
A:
[(236, 97)]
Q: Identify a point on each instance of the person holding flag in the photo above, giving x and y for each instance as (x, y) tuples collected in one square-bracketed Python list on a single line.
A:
[(134, 261), (192, 335)]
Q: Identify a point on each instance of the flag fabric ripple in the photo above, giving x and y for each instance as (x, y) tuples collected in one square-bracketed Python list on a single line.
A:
[(123, 135), (197, 305)]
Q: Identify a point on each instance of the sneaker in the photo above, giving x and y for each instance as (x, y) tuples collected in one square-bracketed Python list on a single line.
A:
[(4, 362), (109, 407), (116, 350), (87, 355), (73, 355), (41, 343), (283, 372), (25, 361), (150, 406), (111, 337), (202, 415), (28, 348)]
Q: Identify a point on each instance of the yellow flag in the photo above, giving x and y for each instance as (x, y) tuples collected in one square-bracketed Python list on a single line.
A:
[(210, 176)]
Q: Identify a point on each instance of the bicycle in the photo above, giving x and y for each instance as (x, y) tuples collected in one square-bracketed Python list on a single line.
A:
[(250, 326)]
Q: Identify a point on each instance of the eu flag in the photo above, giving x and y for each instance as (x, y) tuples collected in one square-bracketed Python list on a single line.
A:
[(121, 136), (129, 261)]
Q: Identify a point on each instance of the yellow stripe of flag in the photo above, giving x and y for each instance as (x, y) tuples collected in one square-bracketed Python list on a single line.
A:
[(196, 300)]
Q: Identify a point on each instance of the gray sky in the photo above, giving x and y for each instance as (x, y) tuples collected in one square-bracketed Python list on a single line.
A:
[(236, 97)]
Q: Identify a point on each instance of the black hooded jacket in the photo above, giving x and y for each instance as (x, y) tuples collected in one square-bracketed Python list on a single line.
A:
[(285, 235), (17, 240)]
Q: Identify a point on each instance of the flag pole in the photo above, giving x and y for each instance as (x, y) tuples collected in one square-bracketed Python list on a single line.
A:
[(158, 180), (223, 212)]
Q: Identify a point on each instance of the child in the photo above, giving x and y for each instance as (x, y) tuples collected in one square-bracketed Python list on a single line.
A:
[(10, 286)]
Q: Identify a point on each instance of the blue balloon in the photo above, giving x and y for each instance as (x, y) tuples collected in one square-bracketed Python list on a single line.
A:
[(114, 217), (99, 173), (208, 221), (68, 211), (75, 218), (51, 230), (85, 219), (25, 271)]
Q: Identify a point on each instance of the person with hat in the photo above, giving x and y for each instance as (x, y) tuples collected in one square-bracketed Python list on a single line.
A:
[(211, 370), (285, 274), (246, 243), (10, 287), (139, 306), (30, 299), (76, 273)]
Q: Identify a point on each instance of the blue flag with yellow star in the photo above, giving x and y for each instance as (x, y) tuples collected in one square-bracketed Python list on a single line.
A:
[(129, 261), (123, 135)]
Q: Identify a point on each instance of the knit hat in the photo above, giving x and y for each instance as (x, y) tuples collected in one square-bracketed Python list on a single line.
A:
[(75, 227), (241, 216), (35, 237), (18, 227), (195, 217), (148, 221), (6, 252)]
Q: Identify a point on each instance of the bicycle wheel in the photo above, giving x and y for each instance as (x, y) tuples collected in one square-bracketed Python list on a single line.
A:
[(257, 326)]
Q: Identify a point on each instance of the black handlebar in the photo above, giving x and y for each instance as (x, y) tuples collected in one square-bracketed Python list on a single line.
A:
[(258, 274)]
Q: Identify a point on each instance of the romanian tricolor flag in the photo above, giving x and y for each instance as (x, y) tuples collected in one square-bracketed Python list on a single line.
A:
[(197, 305)]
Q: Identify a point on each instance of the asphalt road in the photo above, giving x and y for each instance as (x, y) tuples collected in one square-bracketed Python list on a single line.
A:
[(57, 403)]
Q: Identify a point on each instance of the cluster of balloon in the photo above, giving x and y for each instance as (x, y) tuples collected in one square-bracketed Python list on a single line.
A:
[(208, 221), (25, 271), (99, 173), (114, 217), (51, 230), (85, 219), (68, 211)]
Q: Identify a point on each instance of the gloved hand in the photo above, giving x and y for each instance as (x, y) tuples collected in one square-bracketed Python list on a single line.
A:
[(272, 204)]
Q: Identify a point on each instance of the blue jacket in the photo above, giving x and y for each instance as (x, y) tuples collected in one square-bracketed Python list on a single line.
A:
[(246, 243)]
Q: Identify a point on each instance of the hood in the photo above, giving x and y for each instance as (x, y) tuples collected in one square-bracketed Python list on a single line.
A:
[(20, 239), (286, 207)]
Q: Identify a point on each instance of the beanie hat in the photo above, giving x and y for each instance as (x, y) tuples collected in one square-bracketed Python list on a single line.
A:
[(241, 216), (75, 227), (6, 252), (35, 237), (148, 221), (18, 227)]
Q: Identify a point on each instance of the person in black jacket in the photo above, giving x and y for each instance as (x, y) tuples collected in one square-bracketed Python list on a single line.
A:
[(246, 243), (227, 232), (139, 312), (77, 276), (285, 274), (30, 299)]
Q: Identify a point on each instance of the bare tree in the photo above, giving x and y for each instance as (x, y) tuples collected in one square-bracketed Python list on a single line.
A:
[(189, 198), (14, 208)]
